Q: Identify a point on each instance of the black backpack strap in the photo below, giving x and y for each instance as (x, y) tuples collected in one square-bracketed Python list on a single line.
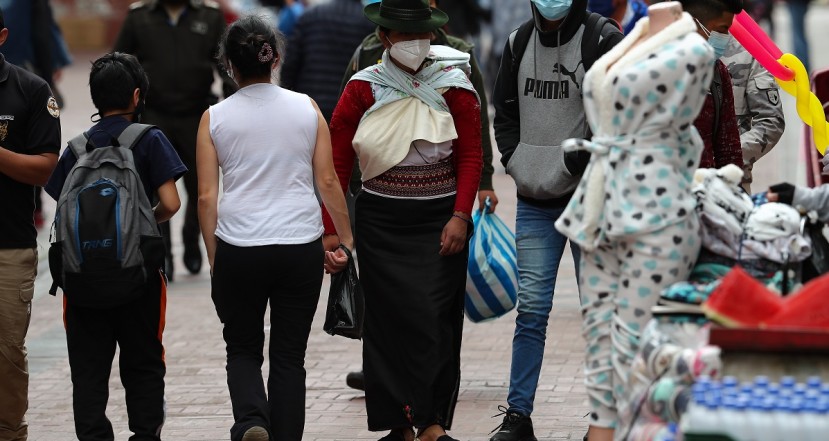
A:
[(596, 28), (132, 134), (518, 44), (717, 93)]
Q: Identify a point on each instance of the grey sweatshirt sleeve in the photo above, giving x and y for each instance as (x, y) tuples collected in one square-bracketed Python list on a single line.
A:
[(809, 199)]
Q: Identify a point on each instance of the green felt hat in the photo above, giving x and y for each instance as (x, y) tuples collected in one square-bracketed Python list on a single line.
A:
[(406, 15)]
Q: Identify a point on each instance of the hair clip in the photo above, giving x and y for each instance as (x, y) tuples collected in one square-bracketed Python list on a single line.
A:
[(266, 53)]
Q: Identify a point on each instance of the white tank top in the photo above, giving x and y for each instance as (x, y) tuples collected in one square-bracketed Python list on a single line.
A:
[(265, 138)]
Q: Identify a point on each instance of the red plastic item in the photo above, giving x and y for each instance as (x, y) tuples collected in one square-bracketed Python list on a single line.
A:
[(805, 309), (740, 300)]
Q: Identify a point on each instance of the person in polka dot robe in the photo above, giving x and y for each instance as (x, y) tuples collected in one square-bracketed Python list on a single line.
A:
[(633, 212)]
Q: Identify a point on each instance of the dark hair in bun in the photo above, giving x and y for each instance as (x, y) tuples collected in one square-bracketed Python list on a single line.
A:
[(252, 45)]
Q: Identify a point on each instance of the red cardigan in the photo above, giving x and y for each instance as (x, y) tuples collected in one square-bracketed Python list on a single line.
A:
[(466, 149), (726, 148)]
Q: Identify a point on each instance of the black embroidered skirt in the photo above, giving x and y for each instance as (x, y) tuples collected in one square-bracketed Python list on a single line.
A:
[(414, 311)]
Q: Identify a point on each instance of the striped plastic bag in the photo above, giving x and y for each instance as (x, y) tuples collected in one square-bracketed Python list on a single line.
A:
[(492, 274)]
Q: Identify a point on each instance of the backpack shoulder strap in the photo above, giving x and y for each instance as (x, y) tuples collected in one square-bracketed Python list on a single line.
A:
[(717, 92), (78, 145), (518, 41), (132, 134), (596, 27)]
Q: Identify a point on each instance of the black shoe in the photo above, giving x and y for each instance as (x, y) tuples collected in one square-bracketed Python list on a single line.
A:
[(515, 427), (355, 380), (192, 258)]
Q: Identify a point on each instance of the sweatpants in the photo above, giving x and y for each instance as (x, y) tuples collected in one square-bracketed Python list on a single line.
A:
[(245, 281), (91, 337), (620, 281)]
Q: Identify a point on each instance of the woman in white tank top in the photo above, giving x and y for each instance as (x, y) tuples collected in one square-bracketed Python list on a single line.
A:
[(263, 240)]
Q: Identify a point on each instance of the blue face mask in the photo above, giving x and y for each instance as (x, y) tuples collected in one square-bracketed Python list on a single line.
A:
[(717, 40), (368, 2), (553, 9)]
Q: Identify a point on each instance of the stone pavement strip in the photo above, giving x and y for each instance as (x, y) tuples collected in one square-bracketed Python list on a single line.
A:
[(198, 405)]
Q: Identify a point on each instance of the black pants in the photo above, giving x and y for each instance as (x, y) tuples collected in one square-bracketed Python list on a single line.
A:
[(182, 131), (245, 279), (91, 337)]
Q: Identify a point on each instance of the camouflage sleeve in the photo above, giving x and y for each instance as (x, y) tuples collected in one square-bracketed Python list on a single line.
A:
[(762, 98)]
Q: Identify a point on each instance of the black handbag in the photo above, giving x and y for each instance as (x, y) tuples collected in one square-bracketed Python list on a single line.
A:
[(346, 306), (818, 263)]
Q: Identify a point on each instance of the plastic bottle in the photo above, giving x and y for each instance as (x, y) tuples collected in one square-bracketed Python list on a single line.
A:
[(761, 381), (787, 382), (821, 419), (761, 421), (787, 420), (814, 382), (702, 416)]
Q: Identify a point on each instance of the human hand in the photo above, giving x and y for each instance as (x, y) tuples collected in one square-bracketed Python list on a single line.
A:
[(335, 261), (453, 237), (783, 193), (493, 200)]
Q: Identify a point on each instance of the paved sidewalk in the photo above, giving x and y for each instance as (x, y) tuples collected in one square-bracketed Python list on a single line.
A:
[(198, 404)]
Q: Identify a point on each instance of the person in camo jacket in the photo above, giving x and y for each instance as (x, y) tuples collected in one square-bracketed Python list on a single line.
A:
[(757, 105)]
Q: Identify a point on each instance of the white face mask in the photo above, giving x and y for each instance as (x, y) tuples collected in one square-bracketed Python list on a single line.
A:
[(410, 53)]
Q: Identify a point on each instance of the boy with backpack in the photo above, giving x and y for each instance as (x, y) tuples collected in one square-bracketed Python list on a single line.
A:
[(108, 253), (538, 104)]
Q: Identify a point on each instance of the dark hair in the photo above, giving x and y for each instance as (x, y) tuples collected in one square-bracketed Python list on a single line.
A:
[(251, 45), (2, 20), (113, 80), (705, 10)]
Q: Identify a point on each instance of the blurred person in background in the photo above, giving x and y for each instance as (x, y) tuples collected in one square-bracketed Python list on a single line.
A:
[(176, 42), (319, 50), (465, 18), (507, 15), (289, 15), (624, 12), (800, 42)]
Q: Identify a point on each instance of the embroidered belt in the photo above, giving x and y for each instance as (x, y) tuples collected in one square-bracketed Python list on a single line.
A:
[(415, 181)]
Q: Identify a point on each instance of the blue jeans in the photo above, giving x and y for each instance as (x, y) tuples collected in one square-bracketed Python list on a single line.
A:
[(798, 9), (540, 247)]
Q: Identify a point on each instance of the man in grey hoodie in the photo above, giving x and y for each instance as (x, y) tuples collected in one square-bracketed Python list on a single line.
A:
[(538, 104)]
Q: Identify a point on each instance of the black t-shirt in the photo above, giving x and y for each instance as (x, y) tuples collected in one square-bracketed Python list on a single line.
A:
[(155, 158), (29, 125)]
